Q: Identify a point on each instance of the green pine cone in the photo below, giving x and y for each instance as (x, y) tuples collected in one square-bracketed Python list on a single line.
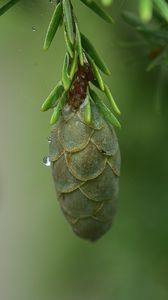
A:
[(85, 161)]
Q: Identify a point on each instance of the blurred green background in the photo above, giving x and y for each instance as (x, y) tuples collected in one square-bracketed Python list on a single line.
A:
[(40, 257)]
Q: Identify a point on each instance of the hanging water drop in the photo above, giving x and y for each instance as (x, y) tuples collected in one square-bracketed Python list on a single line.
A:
[(49, 139), (33, 28), (46, 161)]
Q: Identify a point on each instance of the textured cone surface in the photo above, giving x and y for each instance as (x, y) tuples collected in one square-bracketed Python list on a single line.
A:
[(86, 167)]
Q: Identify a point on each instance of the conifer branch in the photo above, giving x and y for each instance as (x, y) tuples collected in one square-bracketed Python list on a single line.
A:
[(81, 54)]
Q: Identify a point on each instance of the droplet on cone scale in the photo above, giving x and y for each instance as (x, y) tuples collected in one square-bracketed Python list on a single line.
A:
[(49, 139), (46, 161)]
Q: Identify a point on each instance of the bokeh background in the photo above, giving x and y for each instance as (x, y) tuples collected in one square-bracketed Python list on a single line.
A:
[(40, 258)]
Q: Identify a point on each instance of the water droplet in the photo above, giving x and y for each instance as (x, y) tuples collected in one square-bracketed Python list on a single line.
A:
[(67, 108), (33, 28), (83, 103), (49, 139), (46, 161)]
